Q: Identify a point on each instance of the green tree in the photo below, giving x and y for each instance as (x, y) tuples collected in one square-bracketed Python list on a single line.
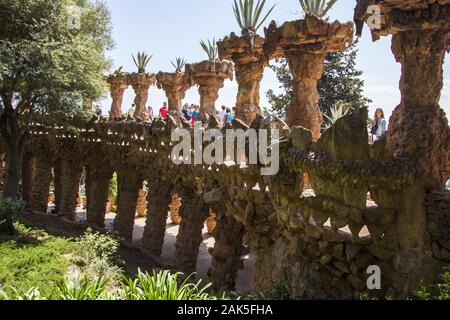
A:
[(340, 84), (52, 59)]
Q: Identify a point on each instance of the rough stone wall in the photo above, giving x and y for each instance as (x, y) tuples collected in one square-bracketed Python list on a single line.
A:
[(438, 218), (321, 242)]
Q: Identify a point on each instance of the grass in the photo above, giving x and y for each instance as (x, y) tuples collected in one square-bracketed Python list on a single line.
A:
[(33, 258)]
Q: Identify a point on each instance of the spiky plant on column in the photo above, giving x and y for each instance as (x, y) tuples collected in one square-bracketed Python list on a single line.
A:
[(305, 43), (141, 82), (247, 52), (175, 84), (210, 76)]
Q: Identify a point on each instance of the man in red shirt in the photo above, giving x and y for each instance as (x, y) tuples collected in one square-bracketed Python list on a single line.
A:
[(163, 111)]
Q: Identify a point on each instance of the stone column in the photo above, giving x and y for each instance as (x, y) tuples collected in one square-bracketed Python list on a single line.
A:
[(97, 196), (158, 198), (307, 69), (141, 83), (118, 85), (129, 182), (41, 185), (70, 184), (418, 127), (210, 77), (27, 178), (209, 93), (57, 170), (175, 86), (227, 253), (248, 76), (193, 215)]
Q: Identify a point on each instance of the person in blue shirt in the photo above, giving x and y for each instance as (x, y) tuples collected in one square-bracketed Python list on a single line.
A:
[(229, 117), (379, 126)]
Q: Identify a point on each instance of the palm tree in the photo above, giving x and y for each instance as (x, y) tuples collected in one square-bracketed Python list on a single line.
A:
[(318, 8), (141, 61), (248, 16), (211, 49), (179, 64)]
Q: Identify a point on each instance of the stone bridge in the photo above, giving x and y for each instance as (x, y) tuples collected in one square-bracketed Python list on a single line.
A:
[(314, 237)]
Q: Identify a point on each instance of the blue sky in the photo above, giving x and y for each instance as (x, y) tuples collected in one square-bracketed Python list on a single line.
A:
[(172, 28)]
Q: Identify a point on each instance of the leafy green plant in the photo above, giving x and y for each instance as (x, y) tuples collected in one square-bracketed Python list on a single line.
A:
[(162, 286), (179, 64), (338, 111), (9, 208), (99, 255), (141, 61), (440, 291), (318, 8), (113, 186), (248, 16), (82, 288), (211, 49)]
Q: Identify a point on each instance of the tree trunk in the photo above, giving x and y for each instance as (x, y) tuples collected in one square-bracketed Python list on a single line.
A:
[(13, 161)]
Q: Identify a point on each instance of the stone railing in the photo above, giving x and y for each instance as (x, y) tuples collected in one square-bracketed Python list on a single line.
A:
[(324, 239)]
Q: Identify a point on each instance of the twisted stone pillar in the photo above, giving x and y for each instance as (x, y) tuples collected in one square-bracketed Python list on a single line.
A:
[(158, 198), (141, 83), (175, 86), (70, 184), (118, 85), (227, 253), (97, 194), (193, 215), (418, 127), (307, 69), (209, 93), (41, 185), (129, 183), (57, 171)]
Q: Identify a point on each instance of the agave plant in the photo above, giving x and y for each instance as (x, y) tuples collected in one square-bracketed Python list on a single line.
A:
[(141, 61), (338, 111), (179, 64), (248, 16), (211, 49), (318, 8)]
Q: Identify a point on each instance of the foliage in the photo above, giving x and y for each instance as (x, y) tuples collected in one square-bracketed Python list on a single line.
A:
[(318, 8), (162, 286), (340, 83), (113, 186), (440, 291), (33, 259), (99, 255), (179, 64), (249, 17), (211, 49), (81, 288), (338, 111), (141, 61), (9, 208), (48, 64)]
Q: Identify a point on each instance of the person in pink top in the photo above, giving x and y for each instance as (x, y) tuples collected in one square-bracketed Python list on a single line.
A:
[(163, 111)]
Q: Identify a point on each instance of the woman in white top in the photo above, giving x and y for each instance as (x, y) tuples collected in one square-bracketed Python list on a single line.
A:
[(379, 126)]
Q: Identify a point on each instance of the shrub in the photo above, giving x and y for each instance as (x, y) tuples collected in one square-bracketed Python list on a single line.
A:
[(99, 255), (440, 291), (9, 208)]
